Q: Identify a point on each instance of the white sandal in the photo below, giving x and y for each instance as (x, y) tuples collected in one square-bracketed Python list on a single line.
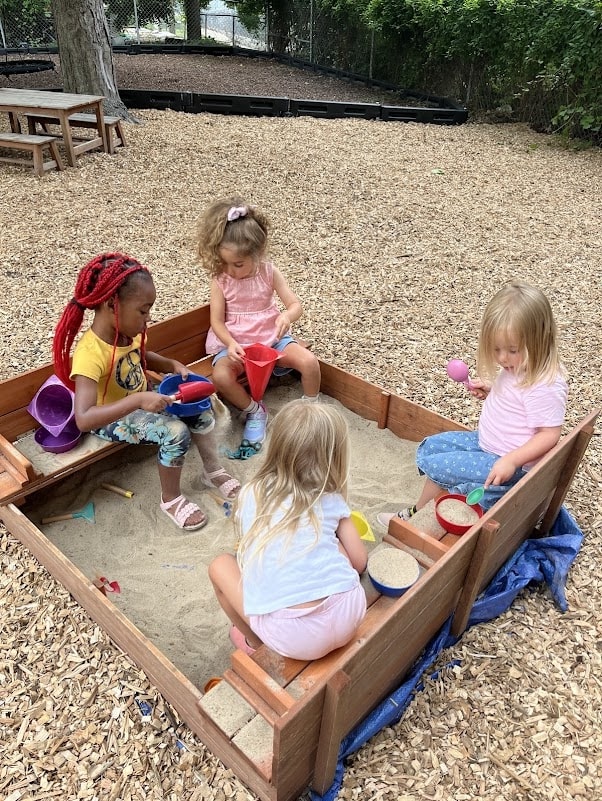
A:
[(183, 512), (227, 489)]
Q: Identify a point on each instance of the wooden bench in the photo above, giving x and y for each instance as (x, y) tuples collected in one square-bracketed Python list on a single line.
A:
[(36, 146), (113, 126)]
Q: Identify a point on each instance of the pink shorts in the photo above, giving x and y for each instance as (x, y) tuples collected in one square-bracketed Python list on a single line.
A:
[(312, 632)]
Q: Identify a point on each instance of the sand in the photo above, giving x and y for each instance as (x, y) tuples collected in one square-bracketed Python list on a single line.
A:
[(162, 571)]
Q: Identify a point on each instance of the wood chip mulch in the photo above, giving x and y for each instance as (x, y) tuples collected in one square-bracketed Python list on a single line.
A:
[(395, 236)]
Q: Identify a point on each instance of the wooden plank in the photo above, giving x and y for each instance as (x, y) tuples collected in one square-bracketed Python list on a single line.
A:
[(391, 637), (577, 440), (422, 559), (6, 466), (524, 506), (251, 697), (46, 481), (8, 485), (409, 421), (16, 393), (295, 742), (179, 328), (383, 410), (354, 393), (279, 668), (21, 464), (474, 577), (175, 687), (405, 532), (261, 682), (331, 732)]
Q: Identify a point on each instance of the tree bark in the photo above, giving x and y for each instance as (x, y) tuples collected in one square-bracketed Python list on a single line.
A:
[(192, 9), (85, 53)]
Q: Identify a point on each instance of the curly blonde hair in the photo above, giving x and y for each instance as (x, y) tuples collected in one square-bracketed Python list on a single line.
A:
[(307, 456), (247, 233)]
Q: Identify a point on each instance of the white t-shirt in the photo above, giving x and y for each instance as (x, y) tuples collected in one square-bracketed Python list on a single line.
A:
[(511, 415), (298, 569)]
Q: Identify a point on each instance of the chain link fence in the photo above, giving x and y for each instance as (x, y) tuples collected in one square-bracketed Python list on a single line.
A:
[(307, 32), (31, 26)]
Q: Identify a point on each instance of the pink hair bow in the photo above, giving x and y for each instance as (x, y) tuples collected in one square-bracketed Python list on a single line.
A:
[(236, 212)]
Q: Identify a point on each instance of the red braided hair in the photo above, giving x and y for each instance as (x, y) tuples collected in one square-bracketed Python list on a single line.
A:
[(99, 281)]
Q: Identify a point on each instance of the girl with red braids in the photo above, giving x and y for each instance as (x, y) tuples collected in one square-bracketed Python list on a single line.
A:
[(108, 374)]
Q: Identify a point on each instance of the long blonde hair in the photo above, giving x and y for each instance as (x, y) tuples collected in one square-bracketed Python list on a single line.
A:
[(247, 232), (524, 312), (307, 456)]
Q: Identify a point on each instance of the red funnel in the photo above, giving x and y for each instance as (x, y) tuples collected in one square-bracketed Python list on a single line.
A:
[(259, 363)]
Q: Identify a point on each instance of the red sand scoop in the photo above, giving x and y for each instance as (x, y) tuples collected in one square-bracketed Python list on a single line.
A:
[(190, 393), (259, 363)]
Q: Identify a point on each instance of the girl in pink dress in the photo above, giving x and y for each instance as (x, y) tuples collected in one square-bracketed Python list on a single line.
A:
[(231, 245)]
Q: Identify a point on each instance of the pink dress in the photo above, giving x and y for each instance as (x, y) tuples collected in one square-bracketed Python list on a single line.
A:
[(251, 309)]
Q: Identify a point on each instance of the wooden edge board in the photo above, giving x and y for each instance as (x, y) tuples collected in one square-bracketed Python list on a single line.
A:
[(261, 682), (176, 688), (248, 694)]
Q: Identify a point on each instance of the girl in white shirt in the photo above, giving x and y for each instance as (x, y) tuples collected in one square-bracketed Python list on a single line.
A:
[(294, 583), (525, 393)]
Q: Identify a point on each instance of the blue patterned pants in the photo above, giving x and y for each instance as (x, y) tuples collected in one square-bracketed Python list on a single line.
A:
[(454, 461)]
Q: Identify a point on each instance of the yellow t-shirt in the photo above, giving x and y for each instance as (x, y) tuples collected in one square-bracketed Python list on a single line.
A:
[(92, 359)]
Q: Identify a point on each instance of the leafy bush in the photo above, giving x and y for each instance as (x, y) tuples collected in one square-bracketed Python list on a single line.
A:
[(541, 57)]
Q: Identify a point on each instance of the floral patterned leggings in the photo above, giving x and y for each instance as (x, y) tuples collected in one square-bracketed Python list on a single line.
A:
[(172, 434)]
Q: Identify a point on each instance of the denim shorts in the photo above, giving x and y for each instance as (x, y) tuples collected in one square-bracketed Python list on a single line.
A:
[(279, 346)]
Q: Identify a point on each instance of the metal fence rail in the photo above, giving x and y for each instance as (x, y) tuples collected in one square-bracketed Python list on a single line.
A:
[(309, 33)]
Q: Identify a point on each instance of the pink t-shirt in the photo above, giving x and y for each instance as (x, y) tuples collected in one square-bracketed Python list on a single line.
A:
[(511, 415), (251, 309)]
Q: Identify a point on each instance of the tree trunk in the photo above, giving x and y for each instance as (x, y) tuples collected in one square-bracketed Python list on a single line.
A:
[(85, 52), (192, 9)]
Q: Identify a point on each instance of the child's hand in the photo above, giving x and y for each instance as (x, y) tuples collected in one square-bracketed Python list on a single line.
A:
[(237, 353), (153, 401), (501, 472), (283, 325), (180, 369), (479, 388)]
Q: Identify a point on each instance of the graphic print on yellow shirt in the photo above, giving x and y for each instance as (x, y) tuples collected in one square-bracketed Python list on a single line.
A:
[(92, 359)]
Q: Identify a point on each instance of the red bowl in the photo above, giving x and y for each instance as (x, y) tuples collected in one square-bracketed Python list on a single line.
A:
[(455, 528)]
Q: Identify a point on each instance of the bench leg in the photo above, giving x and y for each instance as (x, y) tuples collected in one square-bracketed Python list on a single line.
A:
[(38, 160), (54, 152), (115, 136)]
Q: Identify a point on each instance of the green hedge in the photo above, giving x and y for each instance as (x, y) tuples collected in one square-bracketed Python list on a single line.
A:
[(526, 54)]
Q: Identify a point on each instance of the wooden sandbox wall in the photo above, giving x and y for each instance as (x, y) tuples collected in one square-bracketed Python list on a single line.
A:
[(286, 718)]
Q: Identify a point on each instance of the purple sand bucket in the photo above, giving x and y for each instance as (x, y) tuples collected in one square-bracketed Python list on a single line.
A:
[(65, 441), (53, 406)]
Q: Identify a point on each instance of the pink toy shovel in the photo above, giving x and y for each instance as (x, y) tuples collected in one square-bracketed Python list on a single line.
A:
[(259, 363)]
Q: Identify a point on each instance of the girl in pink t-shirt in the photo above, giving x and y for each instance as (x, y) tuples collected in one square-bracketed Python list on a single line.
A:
[(522, 383), (232, 241)]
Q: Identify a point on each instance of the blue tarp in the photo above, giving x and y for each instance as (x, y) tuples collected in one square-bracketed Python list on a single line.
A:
[(546, 559)]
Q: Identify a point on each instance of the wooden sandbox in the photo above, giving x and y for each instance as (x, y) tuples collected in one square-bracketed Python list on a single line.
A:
[(277, 722)]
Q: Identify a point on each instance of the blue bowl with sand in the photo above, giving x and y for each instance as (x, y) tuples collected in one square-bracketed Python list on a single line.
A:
[(392, 571)]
